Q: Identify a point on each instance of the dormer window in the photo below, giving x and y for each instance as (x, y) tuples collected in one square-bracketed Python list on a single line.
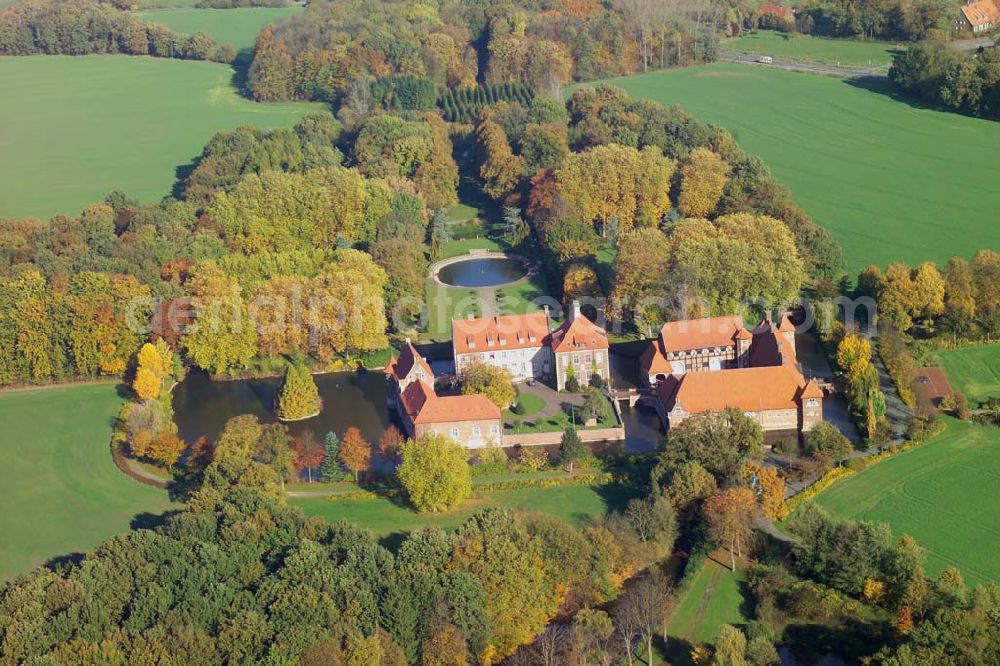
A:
[(489, 342), (503, 341), (531, 338)]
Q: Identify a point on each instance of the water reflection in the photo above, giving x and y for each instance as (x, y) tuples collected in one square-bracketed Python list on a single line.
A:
[(482, 272), (202, 407)]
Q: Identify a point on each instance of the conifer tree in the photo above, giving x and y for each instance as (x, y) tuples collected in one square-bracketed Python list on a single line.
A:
[(299, 396)]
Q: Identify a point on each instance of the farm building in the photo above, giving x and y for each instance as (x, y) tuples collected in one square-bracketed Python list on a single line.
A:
[(978, 17)]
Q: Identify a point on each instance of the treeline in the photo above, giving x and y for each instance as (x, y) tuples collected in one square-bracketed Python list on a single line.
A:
[(944, 77), (462, 105), (669, 195), (320, 53), (236, 577), (895, 20), (80, 27), (963, 299)]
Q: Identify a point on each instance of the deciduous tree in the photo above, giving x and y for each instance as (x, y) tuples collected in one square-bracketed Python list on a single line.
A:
[(355, 451), (435, 472), (730, 516), (494, 382)]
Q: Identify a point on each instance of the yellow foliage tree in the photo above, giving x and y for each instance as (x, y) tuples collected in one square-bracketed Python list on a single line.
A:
[(703, 179), (146, 384), (854, 355)]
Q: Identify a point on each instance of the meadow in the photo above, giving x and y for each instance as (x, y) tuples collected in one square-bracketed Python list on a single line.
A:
[(716, 597), (941, 493), (890, 180), (975, 371), (814, 49), (238, 27), (387, 519), (62, 492), (74, 128)]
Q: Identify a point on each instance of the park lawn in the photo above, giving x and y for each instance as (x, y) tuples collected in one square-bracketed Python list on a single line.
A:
[(715, 597), (463, 212), (890, 180), (815, 49), (530, 404), (238, 27), (74, 128), (62, 493), (975, 371), (941, 493), (576, 504)]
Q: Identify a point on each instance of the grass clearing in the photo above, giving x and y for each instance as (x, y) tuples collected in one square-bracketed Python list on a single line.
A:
[(77, 127), (62, 492), (975, 371), (815, 49), (890, 180), (715, 597), (238, 27), (941, 493), (577, 505)]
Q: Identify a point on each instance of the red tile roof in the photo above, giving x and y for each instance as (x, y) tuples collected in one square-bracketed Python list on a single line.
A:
[(579, 333), (982, 12), (400, 367), (701, 333), (503, 332), (424, 406), (747, 389), (769, 346)]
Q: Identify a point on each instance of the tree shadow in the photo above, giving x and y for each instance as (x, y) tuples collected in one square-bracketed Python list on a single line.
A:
[(62, 564), (616, 496), (881, 86), (678, 651), (392, 542), (150, 521)]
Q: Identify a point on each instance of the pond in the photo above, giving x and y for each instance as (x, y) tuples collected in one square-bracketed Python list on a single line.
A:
[(202, 406), (482, 272)]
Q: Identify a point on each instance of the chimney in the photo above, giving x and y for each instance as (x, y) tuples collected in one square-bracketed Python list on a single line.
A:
[(575, 312)]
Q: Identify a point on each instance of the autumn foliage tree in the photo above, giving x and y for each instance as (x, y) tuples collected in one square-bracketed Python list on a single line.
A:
[(390, 443), (730, 515), (703, 179), (355, 451), (499, 167), (435, 472), (770, 488), (494, 382), (298, 397), (307, 454)]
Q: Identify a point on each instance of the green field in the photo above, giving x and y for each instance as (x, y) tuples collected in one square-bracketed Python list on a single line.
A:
[(61, 491), (715, 598), (814, 49), (238, 27), (975, 371), (890, 180), (941, 493), (73, 128), (576, 504)]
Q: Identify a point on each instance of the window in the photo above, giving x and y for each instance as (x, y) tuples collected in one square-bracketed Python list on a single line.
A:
[(812, 402), (576, 359), (586, 359), (494, 430), (477, 431), (454, 433), (599, 357)]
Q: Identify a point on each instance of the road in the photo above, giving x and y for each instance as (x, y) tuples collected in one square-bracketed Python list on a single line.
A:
[(971, 44), (809, 67)]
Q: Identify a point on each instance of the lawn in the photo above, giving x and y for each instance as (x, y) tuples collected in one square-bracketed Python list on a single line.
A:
[(715, 598), (238, 27), (445, 304), (576, 504), (975, 371), (814, 49), (74, 128), (890, 180), (941, 493), (62, 493)]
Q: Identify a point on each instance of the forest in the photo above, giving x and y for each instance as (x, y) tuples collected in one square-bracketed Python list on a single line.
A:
[(943, 77), (78, 27)]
